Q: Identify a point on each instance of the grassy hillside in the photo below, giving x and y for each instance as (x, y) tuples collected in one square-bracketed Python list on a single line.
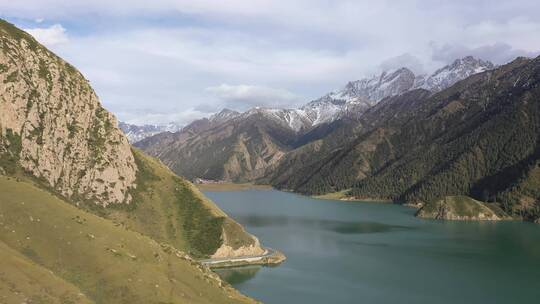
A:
[(22, 280), (107, 263), (170, 209)]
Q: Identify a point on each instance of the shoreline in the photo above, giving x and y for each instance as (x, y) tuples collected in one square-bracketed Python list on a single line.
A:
[(271, 258), (353, 199), (334, 196), (222, 187), (342, 196)]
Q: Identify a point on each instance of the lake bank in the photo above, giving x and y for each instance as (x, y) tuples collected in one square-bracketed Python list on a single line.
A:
[(271, 257), (454, 215), (231, 187)]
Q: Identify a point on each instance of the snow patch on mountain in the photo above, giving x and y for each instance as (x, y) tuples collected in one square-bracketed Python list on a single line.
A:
[(136, 133), (223, 116), (359, 95), (452, 73)]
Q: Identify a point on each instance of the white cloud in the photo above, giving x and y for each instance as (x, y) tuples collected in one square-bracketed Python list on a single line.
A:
[(245, 96), (172, 69), (166, 53), (498, 53), (405, 60), (49, 36)]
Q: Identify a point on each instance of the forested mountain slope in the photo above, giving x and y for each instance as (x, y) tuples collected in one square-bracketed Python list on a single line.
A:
[(477, 138)]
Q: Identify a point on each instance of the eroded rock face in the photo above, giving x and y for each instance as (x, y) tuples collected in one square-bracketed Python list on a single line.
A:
[(237, 243), (64, 135)]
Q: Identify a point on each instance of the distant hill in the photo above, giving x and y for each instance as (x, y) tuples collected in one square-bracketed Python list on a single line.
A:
[(238, 148)]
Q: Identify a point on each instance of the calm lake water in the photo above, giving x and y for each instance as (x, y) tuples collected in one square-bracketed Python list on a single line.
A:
[(345, 252)]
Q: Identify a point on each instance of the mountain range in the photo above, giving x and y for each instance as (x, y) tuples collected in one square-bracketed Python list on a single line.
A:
[(246, 144), (353, 99)]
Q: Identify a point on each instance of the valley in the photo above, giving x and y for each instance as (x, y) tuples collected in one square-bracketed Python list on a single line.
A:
[(200, 152), (474, 132)]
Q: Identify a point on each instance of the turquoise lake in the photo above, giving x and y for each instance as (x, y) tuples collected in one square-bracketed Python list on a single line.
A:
[(355, 252)]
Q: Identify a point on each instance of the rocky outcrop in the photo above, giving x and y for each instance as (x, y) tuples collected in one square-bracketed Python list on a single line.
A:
[(461, 208), (52, 119), (236, 242)]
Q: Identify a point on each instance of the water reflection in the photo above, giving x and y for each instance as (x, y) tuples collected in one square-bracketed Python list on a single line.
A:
[(342, 227), (237, 275)]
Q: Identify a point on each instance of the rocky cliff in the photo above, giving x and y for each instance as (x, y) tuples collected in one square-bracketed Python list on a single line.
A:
[(54, 120)]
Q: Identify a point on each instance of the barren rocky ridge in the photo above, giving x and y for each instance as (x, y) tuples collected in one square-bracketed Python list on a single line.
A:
[(64, 135)]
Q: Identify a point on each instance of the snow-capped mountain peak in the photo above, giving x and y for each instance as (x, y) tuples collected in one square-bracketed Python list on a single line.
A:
[(371, 90), (454, 72), (136, 133), (361, 94), (295, 119), (223, 115)]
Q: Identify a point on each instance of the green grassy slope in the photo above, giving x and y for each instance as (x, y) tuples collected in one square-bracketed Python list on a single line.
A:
[(167, 208), (24, 281), (107, 263), (170, 209)]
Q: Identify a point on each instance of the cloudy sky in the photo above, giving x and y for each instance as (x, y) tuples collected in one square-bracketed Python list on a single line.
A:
[(174, 60)]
